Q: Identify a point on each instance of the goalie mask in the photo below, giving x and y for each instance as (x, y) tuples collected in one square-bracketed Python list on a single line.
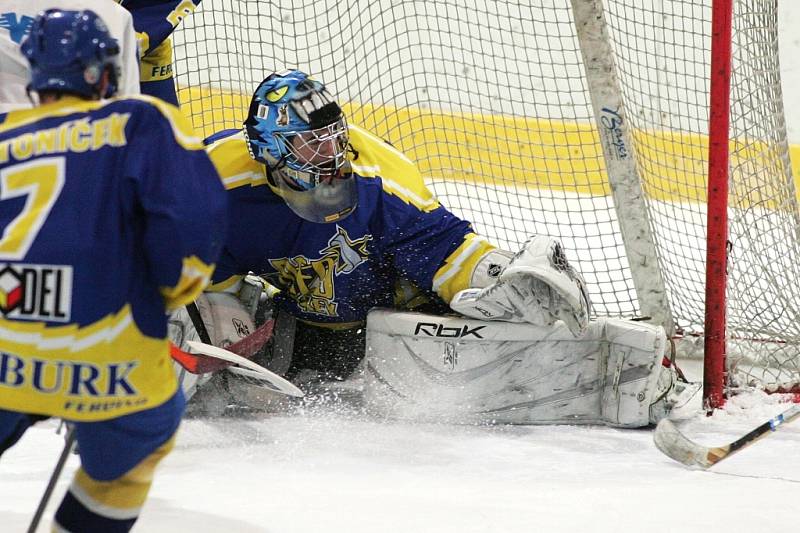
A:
[(299, 132)]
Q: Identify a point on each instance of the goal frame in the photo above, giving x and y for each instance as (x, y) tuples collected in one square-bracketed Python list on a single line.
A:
[(714, 356)]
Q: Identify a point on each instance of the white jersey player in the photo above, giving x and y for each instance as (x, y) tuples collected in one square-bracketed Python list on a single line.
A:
[(16, 17)]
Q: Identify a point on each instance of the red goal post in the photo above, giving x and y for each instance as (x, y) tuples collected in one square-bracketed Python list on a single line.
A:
[(714, 364)]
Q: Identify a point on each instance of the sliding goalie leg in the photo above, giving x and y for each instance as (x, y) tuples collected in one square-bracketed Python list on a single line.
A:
[(463, 370)]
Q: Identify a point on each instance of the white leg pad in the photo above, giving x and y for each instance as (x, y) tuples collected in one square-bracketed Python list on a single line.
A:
[(455, 369)]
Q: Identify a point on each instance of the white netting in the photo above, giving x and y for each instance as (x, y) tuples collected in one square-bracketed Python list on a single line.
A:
[(491, 100)]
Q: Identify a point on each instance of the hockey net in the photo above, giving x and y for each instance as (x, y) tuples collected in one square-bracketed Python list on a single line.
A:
[(500, 105)]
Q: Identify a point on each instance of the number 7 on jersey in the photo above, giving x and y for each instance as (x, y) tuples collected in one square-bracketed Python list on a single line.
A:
[(40, 181)]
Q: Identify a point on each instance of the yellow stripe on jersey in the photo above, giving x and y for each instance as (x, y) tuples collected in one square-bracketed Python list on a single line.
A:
[(423, 203), (182, 130), (121, 498), (156, 64), (454, 275), (96, 372), (400, 176), (67, 105), (234, 164), (195, 275), (227, 285)]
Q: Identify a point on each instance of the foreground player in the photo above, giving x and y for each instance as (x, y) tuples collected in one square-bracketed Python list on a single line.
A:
[(16, 17), (341, 222), (111, 214)]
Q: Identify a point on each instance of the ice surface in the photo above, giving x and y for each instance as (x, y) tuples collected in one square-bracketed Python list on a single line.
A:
[(324, 469)]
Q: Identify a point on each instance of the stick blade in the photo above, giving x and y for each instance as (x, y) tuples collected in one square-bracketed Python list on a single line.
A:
[(270, 381), (675, 445), (278, 383)]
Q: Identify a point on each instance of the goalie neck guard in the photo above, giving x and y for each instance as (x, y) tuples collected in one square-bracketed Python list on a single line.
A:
[(298, 131), (68, 51)]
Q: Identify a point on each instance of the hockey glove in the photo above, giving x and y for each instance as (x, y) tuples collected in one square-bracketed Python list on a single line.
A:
[(538, 286)]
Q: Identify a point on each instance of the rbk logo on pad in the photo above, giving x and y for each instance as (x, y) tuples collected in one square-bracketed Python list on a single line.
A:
[(432, 329)]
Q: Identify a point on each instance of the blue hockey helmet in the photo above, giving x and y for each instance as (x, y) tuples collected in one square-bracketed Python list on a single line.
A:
[(296, 128), (68, 51), (294, 124)]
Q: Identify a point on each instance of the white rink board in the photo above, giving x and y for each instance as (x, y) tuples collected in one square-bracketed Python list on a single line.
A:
[(331, 63)]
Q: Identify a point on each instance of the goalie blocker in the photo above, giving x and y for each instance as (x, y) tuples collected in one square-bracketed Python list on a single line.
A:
[(462, 370)]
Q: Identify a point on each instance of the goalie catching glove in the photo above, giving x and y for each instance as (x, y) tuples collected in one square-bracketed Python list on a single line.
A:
[(537, 286)]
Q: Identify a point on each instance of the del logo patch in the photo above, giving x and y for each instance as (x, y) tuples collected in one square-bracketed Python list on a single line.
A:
[(35, 292)]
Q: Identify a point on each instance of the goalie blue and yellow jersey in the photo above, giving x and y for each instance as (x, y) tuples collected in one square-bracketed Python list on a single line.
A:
[(110, 213), (334, 273)]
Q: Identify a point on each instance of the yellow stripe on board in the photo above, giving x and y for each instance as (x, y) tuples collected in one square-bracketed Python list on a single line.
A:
[(212, 110), (536, 153)]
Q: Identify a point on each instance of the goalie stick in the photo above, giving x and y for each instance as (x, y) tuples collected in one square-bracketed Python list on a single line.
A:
[(246, 347), (271, 380), (677, 446)]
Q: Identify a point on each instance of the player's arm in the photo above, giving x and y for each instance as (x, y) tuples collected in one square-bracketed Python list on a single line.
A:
[(154, 21), (183, 203), (436, 250), (441, 252), (228, 152)]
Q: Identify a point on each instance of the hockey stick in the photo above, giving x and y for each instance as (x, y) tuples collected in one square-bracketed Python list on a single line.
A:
[(274, 381), (677, 446), (197, 322), (247, 347), (209, 358), (62, 459)]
